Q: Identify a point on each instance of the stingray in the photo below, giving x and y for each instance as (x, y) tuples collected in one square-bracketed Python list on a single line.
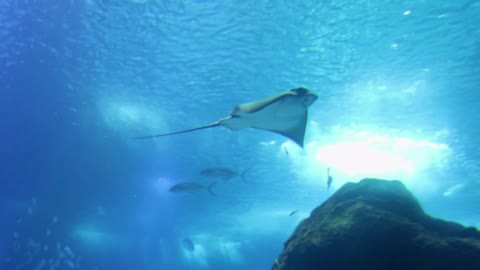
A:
[(285, 114)]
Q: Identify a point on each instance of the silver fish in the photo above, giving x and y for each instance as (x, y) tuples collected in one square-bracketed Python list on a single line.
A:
[(224, 174), (192, 187)]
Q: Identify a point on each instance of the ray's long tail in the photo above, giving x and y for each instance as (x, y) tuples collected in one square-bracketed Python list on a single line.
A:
[(178, 132)]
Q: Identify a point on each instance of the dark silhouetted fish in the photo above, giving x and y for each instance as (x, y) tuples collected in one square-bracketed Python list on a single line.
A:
[(192, 187), (329, 180), (188, 244), (293, 213), (224, 174)]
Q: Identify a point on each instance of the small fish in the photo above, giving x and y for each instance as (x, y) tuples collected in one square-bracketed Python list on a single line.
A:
[(293, 212), (192, 187), (329, 180), (454, 190), (286, 151), (188, 244), (224, 174)]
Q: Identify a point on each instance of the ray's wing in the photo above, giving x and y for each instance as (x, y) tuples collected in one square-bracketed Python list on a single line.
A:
[(258, 105), (296, 133), (283, 114)]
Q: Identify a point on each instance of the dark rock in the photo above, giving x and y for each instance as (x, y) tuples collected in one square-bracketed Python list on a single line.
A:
[(378, 224)]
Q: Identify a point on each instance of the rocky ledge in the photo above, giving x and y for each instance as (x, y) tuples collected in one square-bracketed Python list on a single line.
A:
[(378, 224)]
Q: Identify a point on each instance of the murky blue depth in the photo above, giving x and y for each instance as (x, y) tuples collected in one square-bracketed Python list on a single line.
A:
[(398, 99)]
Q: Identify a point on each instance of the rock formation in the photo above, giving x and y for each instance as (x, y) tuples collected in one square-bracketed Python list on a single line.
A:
[(378, 224)]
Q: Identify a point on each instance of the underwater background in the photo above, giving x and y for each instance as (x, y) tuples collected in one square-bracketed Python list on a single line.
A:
[(398, 98)]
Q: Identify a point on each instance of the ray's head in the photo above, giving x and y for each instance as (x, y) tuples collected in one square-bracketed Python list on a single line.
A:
[(308, 97)]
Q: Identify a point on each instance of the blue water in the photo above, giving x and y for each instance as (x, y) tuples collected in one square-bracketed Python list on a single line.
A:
[(398, 99)]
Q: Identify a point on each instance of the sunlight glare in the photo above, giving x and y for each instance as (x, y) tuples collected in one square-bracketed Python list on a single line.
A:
[(125, 115), (380, 155), (353, 158), (353, 155), (92, 237)]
